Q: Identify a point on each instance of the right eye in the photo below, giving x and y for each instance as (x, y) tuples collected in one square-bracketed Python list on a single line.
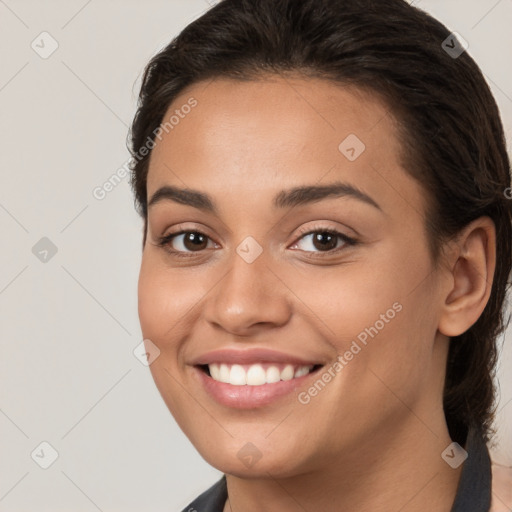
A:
[(191, 241)]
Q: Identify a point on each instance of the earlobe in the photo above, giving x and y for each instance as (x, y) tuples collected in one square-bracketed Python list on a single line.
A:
[(471, 277)]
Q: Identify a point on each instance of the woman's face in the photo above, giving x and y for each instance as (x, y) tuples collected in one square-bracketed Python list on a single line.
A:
[(259, 282)]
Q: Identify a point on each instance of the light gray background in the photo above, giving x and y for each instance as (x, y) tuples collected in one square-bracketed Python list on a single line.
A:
[(69, 326)]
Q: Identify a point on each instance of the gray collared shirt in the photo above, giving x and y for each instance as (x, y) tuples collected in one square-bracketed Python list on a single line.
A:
[(473, 492)]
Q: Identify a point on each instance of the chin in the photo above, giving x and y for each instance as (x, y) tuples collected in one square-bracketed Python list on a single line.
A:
[(245, 460)]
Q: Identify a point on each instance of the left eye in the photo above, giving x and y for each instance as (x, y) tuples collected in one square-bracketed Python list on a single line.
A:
[(325, 240)]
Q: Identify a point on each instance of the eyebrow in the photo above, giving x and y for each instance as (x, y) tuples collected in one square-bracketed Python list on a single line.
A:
[(285, 198)]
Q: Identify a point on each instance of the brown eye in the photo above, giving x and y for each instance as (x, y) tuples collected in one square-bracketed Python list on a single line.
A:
[(193, 240), (184, 242), (324, 241)]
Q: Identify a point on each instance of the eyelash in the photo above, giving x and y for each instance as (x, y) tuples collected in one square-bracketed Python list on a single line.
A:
[(165, 241)]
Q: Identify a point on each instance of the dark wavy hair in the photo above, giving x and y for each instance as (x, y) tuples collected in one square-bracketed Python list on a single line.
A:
[(449, 127)]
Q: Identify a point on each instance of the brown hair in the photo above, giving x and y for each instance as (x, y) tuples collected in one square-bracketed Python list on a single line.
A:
[(451, 134)]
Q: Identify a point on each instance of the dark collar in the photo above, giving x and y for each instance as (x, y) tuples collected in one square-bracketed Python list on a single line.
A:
[(473, 491), (212, 500)]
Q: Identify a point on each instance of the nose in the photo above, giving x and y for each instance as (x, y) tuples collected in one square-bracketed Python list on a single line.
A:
[(249, 297)]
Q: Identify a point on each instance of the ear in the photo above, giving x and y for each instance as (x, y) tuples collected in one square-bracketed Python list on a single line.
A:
[(471, 270)]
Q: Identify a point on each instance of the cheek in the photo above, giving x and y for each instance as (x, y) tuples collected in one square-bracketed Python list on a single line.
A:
[(166, 300), (380, 311), (346, 300), (395, 328)]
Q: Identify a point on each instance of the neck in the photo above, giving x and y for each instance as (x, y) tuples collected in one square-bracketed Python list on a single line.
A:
[(395, 469)]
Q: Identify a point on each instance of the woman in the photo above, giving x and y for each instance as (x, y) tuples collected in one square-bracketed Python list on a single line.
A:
[(327, 243)]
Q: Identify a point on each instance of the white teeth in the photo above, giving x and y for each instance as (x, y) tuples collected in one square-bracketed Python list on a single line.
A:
[(215, 371), (255, 375), (224, 373), (303, 370), (237, 376), (287, 373), (273, 374)]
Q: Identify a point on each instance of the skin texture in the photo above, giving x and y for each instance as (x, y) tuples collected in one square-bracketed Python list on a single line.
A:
[(379, 424)]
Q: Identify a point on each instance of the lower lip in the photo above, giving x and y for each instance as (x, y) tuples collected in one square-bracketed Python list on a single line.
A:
[(249, 397)]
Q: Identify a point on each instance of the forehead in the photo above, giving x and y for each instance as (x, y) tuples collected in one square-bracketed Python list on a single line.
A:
[(278, 132)]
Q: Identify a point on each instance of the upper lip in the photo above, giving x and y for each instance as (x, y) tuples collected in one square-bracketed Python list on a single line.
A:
[(250, 356)]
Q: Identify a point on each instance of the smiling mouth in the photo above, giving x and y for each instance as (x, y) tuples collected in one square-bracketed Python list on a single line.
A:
[(256, 374)]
